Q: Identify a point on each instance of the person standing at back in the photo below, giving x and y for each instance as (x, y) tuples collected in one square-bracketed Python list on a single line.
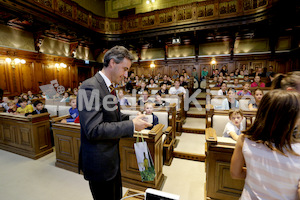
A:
[(269, 150), (103, 125)]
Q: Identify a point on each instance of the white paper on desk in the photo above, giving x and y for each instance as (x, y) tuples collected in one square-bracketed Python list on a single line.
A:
[(144, 131), (228, 140), (147, 118)]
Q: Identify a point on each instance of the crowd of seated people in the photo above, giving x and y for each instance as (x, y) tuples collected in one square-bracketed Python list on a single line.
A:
[(240, 73), (290, 82), (30, 104), (141, 83)]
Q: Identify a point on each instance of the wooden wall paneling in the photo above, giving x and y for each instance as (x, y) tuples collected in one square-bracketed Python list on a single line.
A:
[(4, 83), (56, 73), (165, 70), (281, 66), (49, 73), (189, 68), (16, 79), (63, 77), (70, 76), (27, 77), (174, 68), (239, 64), (146, 71), (230, 66), (74, 77), (39, 75)]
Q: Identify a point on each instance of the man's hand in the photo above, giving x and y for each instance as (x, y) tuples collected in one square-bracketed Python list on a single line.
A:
[(140, 124)]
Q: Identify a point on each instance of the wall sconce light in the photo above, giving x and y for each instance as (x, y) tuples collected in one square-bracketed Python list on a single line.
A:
[(152, 65), (150, 1), (15, 61), (213, 61), (60, 65)]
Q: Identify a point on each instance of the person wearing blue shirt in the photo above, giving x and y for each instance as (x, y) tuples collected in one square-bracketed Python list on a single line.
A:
[(73, 111), (149, 111)]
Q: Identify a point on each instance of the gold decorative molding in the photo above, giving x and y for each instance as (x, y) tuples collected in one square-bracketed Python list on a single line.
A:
[(185, 14)]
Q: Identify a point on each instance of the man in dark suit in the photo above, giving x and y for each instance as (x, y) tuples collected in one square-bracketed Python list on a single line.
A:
[(102, 126)]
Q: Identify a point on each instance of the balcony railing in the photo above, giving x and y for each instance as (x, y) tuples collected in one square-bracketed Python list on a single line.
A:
[(177, 15)]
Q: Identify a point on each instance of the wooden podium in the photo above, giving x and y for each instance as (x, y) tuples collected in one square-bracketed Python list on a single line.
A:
[(131, 177), (27, 136), (219, 184)]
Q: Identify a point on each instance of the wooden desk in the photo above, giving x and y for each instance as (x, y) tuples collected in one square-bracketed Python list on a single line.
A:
[(131, 177), (27, 136), (219, 184), (67, 144), (170, 130)]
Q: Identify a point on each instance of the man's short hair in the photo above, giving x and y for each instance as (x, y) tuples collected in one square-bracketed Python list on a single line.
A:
[(118, 53)]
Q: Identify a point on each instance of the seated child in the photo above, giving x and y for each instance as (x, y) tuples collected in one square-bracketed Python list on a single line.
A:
[(142, 88), (246, 90), (4, 104), (39, 108), (16, 101), (234, 127), (73, 111), (236, 83), (204, 73), (223, 90), (65, 98), (30, 95), (159, 102), (254, 103), (24, 96), (152, 84), (241, 75), (45, 96), (24, 107), (122, 100), (230, 102), (149, 111), (220, 81), (246, 79), (163, 89), (228, 79), (144, 98), (12, 107)]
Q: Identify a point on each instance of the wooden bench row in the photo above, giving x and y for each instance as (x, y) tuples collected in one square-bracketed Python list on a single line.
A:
[(218, 151)]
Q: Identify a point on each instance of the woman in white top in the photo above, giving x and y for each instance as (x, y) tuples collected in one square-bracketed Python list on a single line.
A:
[(230, 102), (223, 90), (269, 150), (152, 84)]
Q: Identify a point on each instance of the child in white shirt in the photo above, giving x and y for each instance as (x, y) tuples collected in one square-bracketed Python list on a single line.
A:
[(234, 127)]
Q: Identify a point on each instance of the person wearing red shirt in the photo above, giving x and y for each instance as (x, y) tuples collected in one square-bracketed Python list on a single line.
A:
[(257, 82)]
